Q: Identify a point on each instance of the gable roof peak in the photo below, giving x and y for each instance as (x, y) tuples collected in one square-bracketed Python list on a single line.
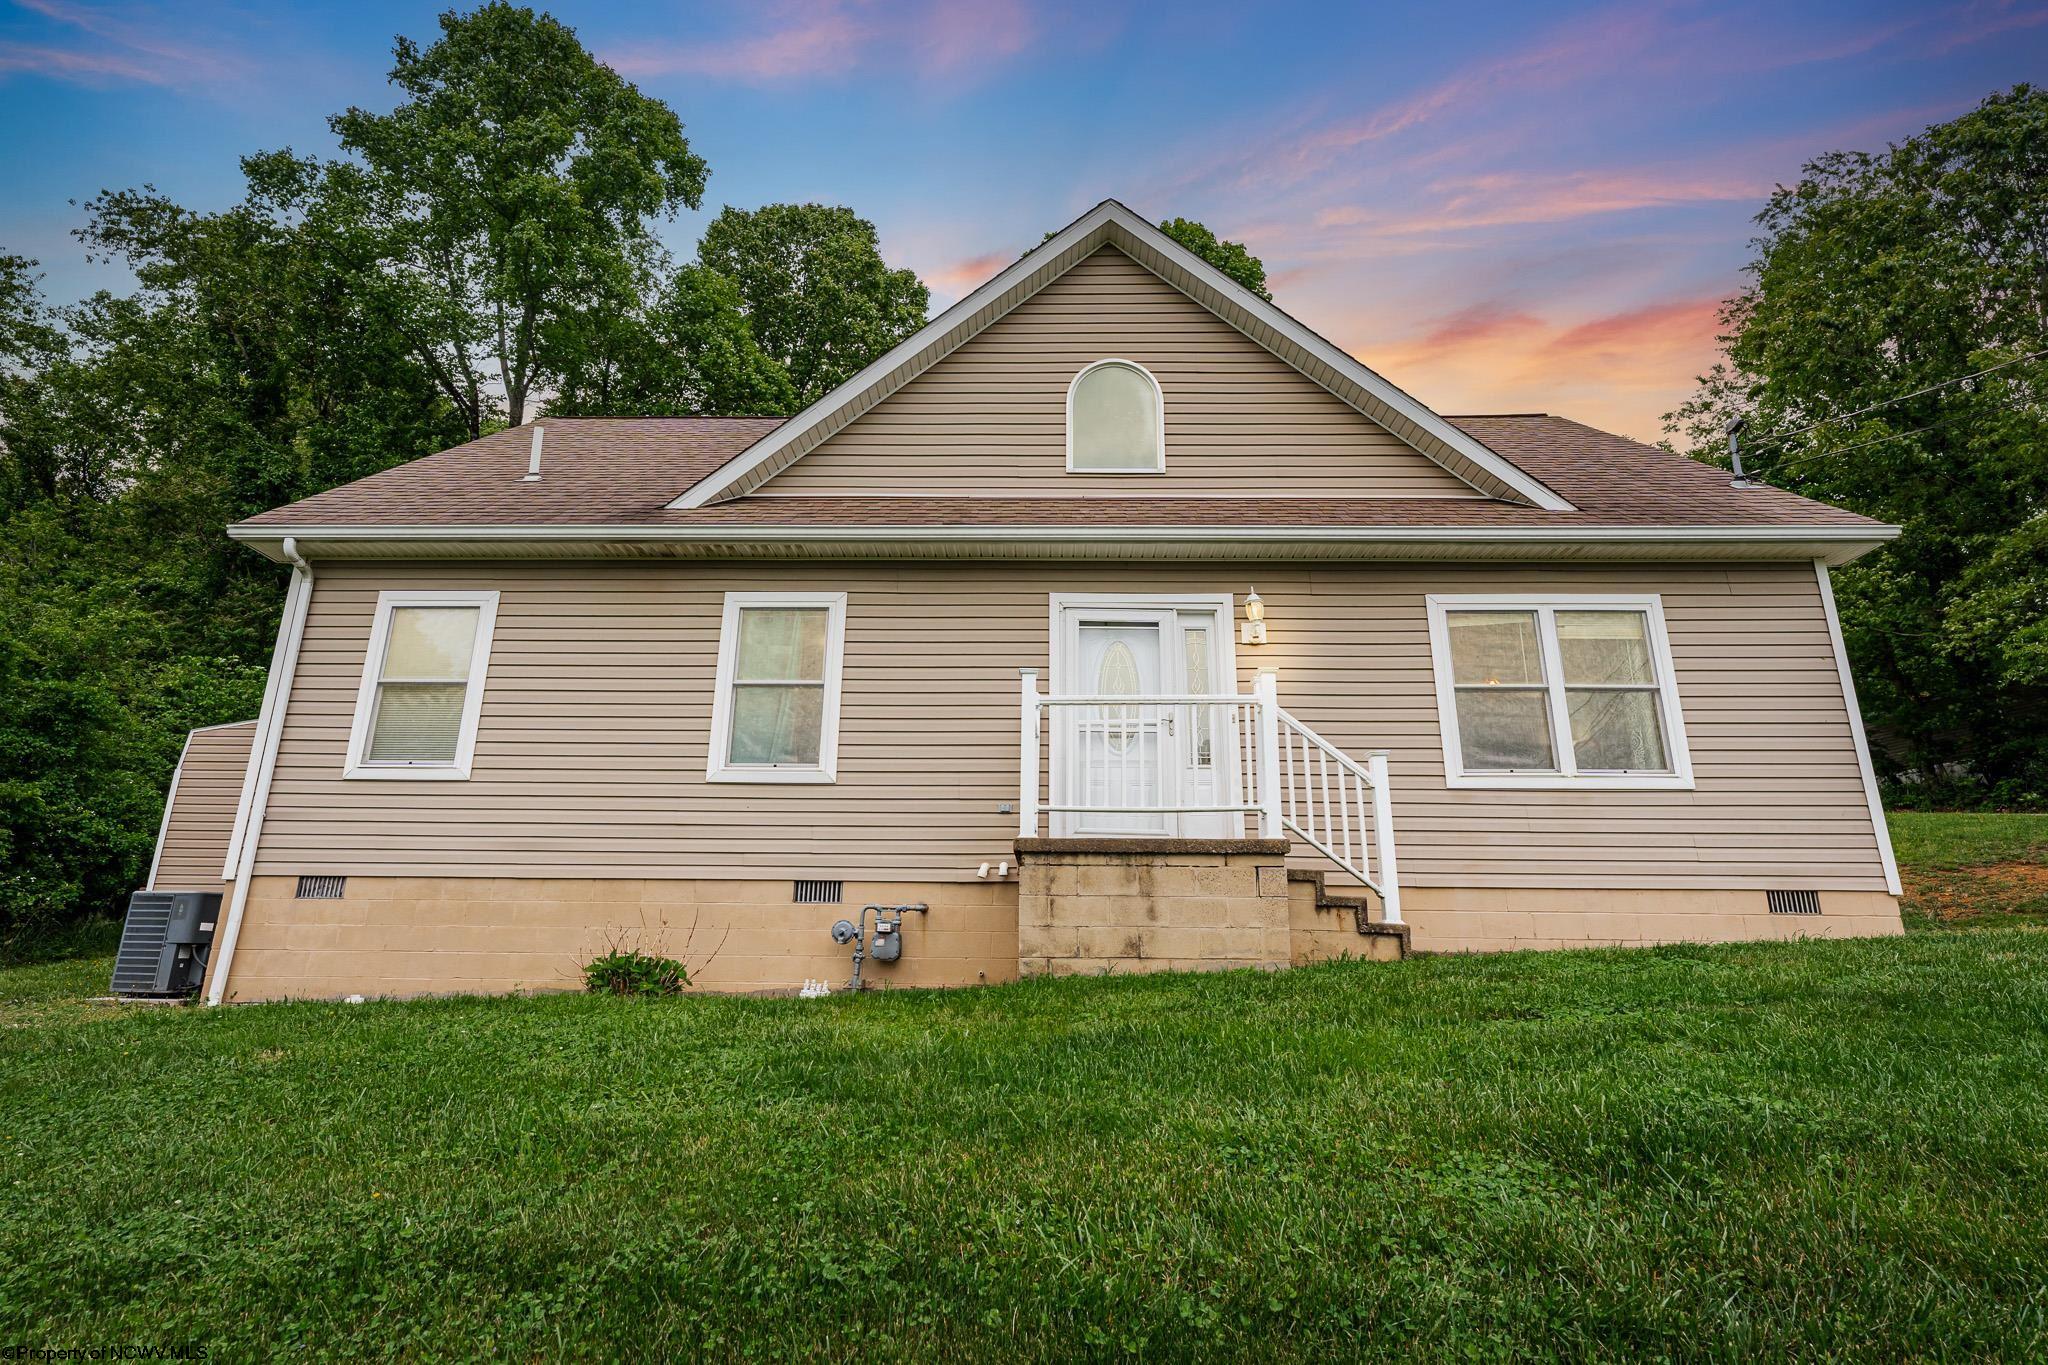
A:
[(1113, 223)]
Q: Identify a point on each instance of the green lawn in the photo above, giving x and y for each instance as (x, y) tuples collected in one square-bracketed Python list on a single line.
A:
[(1787, 1149), (1966, 871)]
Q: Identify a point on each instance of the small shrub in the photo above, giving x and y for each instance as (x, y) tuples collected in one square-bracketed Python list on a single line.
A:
[(635, 973)]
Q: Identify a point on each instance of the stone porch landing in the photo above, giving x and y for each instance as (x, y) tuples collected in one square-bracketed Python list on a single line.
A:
[(1094, 906)]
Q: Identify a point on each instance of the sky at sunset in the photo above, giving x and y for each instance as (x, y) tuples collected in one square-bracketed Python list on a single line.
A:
[(1503, 207)]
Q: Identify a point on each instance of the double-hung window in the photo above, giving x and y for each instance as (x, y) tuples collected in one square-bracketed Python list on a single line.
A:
[(1567, 691), (423, 685), (775, 717)]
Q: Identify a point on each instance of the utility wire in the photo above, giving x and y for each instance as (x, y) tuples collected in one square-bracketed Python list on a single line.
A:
[(1785, 436), (1874, 441)]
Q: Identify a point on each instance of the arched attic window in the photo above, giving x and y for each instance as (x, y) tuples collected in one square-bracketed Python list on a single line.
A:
[(1116, 420)]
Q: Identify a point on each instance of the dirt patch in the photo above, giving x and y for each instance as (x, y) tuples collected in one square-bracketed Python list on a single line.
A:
[(2000, 892)]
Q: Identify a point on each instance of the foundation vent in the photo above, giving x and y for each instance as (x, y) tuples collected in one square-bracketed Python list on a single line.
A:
[(818, 893), (321, 888), (1793, 902)]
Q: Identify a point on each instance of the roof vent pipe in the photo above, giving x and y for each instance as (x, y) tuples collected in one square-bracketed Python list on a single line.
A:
[(533, 460), (1732, 430)]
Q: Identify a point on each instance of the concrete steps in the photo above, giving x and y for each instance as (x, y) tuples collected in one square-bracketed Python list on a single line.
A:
[(1308, 891)]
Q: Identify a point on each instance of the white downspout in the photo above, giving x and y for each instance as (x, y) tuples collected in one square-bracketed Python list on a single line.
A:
[(284, 661)]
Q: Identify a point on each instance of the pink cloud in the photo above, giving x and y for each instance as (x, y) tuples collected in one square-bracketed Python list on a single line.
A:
[(1458, 335), (1621, 370), (965, 38), (130, 49), (1506, 107), (1514, 198), (810, 39), (1584, 50), (85, 68), (963, 277), (1643, 337), (1976, 22)]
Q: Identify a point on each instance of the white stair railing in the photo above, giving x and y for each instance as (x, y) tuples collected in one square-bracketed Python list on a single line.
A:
[(1139, 756), (1341, 808), (1134, 756)]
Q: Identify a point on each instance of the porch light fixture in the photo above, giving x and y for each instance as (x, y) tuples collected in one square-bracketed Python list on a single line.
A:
[(1253, 631)]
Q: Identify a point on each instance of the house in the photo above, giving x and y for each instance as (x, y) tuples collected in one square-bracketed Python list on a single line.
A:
[(1115, 618)]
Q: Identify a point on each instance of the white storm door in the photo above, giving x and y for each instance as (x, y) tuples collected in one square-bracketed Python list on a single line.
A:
[(1128, 762), (1121, 754)]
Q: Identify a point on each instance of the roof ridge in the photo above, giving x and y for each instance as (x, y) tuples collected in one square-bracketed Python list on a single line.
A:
[(1113, 223)]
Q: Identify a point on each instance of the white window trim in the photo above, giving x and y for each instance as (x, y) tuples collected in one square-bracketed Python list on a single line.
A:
[(1546, 605), (716, 768), (1158, 414), (358, 766)]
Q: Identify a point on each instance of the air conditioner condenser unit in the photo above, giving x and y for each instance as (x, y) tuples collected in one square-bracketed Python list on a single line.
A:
[(165, 942)]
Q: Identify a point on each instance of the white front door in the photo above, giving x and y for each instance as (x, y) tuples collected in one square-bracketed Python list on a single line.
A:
[(1133, 763)]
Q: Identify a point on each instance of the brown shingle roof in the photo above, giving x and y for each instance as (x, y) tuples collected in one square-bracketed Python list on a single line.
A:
[(625, 471)]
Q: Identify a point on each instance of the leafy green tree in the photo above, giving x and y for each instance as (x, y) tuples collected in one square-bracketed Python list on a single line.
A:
[(1232, 258), (100, 694), (820, 299), (518, 168), (1879, 281), (253, 367), (486, 242), (248, 369), (690, 352)]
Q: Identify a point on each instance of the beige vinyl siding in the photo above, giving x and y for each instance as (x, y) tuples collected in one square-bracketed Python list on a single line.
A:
[(201, 819), (990, 419), (590, 754)]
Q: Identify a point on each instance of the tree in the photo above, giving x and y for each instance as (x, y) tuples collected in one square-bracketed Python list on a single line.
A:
[(517, 168), (820, 299), (486, 243), (1879, 282), (689, 352), (249, 368), (253, 367), (30, 342), (1232, 258)]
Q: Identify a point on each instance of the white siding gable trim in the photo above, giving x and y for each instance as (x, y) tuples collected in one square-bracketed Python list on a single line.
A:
[(163, 829), (1863, 764), (1108, 223)]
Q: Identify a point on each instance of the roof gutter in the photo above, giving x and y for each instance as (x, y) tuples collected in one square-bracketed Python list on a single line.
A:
[(800, 537)]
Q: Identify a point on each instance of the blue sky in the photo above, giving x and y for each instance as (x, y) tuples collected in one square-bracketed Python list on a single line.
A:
[(1504, 206)]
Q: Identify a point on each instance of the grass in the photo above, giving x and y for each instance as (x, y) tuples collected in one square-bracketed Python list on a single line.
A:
[(1971, 870), (85, 938), (1805, 1149)]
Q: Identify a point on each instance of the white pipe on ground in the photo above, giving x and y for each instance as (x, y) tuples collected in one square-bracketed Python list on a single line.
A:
[(263, 745)]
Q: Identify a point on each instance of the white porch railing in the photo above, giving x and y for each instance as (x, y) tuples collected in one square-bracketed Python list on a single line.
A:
[(1203, 765)]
